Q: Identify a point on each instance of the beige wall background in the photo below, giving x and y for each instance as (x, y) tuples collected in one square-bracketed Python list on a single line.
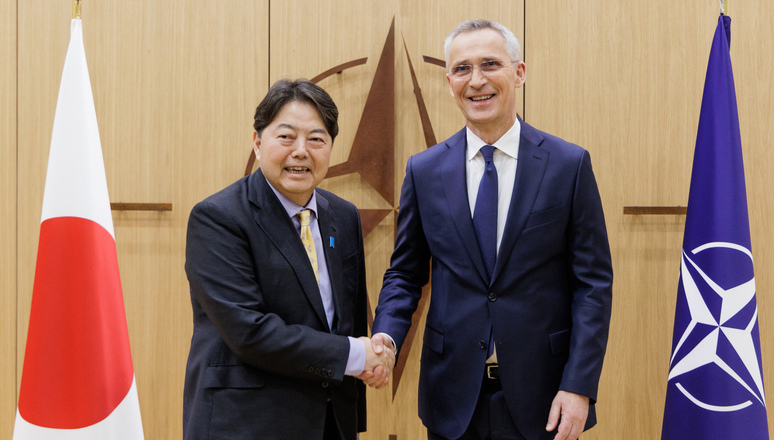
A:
[(8, 210), (175, 85)]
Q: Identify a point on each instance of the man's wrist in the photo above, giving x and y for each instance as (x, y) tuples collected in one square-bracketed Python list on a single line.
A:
[(357, 357), (392, 341)]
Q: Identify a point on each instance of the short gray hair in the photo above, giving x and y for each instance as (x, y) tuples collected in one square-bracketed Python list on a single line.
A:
[(511, 42)]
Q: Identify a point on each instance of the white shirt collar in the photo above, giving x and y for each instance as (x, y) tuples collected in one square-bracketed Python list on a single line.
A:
[(508, 142)]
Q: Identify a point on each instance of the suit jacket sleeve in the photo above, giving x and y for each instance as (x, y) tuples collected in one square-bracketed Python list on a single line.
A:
[(224, 271), (409, 268), (591, 280)]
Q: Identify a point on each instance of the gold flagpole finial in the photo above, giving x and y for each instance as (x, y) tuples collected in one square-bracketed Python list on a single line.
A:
[(76, 8)]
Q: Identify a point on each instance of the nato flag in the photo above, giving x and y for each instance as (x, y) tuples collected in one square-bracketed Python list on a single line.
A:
[(715, 387)]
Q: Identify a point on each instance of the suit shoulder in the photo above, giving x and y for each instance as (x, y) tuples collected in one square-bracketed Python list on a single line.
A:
[(225, 199), (335, 201), (553, 143), (432, 155)]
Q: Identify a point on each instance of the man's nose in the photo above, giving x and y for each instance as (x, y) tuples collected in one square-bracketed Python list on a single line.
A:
[(299, 148), (477, 78)]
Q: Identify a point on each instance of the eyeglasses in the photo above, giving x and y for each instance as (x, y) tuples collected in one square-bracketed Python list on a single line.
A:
[(463, 71)]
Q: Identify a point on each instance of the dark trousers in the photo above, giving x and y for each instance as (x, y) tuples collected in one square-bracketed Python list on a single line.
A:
[(491, 418), (331, 427)]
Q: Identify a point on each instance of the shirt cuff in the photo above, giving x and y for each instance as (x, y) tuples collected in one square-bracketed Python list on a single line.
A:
[(357, 357)]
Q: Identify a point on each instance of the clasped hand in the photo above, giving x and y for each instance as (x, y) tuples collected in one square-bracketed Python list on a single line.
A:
[(380, 360)]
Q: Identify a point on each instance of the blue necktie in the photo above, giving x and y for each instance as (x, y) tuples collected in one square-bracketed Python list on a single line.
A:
[(485, 212)]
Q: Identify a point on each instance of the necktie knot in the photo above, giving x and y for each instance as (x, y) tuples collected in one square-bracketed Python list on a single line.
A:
[(488, 152), (304, 216)]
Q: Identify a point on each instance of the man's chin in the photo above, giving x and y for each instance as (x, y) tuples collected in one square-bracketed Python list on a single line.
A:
[(297, 193)]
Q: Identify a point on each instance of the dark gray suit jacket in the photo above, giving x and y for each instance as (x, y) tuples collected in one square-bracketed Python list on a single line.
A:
[(263, 362)]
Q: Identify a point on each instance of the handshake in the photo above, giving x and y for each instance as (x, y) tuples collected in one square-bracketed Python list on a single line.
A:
[(380, 360)]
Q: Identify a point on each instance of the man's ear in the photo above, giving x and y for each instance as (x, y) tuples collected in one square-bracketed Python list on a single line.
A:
[(521, 74), (257, 145)]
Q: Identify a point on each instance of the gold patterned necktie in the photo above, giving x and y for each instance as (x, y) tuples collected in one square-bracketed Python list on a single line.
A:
[(308, 241)]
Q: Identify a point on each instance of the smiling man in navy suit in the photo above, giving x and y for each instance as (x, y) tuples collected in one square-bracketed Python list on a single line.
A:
[(512, 221), (278, 288)]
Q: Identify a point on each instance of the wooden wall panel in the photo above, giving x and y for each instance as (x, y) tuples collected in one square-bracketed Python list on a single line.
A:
[(175, 86), (7, 217), (41, 53), (625, 81), (752, 39)]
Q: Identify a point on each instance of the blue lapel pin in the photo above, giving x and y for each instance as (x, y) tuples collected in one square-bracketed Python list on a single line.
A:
[(331, 244)]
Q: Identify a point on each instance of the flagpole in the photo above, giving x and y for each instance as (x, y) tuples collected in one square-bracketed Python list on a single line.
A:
[(77, 9)]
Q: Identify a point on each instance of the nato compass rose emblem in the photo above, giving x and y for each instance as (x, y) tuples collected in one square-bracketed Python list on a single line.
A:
[(715, 363)]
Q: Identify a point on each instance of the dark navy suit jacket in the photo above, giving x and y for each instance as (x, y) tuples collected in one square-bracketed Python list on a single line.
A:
[(263, 362), (549, 299)]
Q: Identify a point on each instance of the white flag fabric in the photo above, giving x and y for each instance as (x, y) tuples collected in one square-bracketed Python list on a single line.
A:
[(78, 381)]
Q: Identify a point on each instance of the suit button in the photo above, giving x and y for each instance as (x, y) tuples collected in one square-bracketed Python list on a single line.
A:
[(310, 369), (492, 296), (482, 344), (330, 373), (317, 371), (325, 384)]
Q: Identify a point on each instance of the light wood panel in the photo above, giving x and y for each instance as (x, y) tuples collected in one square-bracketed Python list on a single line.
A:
[(175, 85), (41, 53), (8, 184), (604, 76), (752, 39), (625, 81)]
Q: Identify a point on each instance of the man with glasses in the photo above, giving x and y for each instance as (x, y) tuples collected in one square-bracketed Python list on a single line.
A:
[(512, 221)]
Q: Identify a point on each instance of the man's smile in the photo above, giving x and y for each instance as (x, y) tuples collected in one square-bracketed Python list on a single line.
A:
[(481, 98), (297, 170)]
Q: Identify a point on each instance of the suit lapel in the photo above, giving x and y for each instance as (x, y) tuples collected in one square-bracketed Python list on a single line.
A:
[(531, 168), (271, 217), (328, 230), (452, 169)]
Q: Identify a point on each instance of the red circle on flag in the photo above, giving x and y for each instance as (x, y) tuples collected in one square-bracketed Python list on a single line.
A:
[(77, 364)]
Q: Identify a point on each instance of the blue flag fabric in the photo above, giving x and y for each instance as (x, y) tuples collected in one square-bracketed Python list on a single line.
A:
[(715, 388)]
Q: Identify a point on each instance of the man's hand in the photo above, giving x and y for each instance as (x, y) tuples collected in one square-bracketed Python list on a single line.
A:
[(380, 360), (572, 409)]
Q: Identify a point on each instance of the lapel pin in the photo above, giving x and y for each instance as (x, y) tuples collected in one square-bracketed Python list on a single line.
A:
[(332, 244)]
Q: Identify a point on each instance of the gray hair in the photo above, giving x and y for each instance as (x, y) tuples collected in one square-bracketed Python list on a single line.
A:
[(511, 42)]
